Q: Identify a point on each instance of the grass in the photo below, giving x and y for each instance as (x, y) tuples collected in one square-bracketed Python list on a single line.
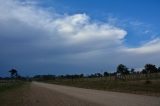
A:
[(12, 93), (135, 86), (7, 85)]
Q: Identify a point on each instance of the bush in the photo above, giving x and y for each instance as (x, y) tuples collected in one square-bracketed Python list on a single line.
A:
[(148, 82)]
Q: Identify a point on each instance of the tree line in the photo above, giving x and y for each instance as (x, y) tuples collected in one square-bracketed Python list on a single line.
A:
[(14, 75), (121, 70)]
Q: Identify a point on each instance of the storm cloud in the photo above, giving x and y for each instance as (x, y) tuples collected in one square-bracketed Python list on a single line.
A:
[(36, 41)]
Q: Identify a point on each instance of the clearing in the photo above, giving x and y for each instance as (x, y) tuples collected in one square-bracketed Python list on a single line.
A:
[(43, 94)]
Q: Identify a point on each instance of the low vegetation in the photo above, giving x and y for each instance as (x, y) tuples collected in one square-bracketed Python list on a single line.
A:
[(10, 84), (124, 79), (146, 81), (15, 81), (13, 89), (136, 86), (13, 92)]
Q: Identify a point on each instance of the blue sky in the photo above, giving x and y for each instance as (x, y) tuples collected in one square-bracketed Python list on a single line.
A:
[(143, 10), (138, 11), (128, 12), (78, 36)]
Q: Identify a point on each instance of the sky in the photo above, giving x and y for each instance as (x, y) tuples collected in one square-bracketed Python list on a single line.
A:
[(78, 36)]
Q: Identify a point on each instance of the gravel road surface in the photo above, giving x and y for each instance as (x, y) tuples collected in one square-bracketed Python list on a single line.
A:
[(44, 94)]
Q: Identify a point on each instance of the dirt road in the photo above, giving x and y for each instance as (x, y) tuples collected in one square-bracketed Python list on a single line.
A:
[(56, 95), (40, 94), (43, 94)]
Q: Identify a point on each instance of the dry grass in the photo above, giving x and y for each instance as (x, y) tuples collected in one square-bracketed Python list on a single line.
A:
[(11, 95), (33, 95), (136, 86), (9, 84)]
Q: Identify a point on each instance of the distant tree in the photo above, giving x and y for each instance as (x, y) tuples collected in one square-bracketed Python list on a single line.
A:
[(150, 68), (98, 75), (144, 71), (95, 75), (13, 73), (44, 77), (122, 69), (113, 74), (81, 75), (61, 76), (48, 77), (105, 74), (132, 71), (158, 69)]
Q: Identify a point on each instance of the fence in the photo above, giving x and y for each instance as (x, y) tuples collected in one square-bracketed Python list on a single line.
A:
[(136, 76)]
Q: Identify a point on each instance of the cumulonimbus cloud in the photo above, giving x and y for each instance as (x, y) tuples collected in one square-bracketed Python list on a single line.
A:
[(38, 36)]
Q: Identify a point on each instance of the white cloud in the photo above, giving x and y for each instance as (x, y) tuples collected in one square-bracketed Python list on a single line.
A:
[(79, 29), (151, 47), (75, 28), (70, 29)]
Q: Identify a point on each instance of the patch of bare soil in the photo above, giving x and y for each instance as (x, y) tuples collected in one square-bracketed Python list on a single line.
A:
[(34, 95), (42, 94), (106, 98)]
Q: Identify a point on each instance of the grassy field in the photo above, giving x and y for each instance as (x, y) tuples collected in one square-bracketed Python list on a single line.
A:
[(7, 85), (11, 92), (133, 86)]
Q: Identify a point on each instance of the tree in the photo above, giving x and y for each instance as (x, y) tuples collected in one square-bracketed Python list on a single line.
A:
[(132, 71), (13, 73), (144, 71), (158, 69), (150, 68), (122, 69), (95, 75), (98, 75), (105, 74)]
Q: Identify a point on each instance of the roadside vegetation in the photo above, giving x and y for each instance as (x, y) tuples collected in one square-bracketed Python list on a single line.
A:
[(13, 82), (10, 84), (14, 93), (13, 89), (146, 81)]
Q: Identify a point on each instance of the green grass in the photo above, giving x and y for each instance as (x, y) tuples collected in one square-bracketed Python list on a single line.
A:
[(135, 86), (7, 85), (13, 94)]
